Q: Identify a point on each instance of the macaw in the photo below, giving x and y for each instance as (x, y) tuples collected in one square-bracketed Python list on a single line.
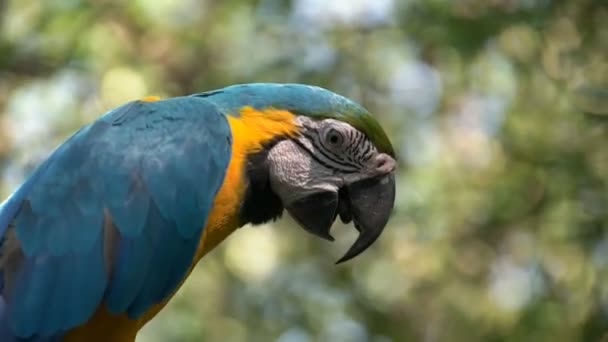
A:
[(102, 234)]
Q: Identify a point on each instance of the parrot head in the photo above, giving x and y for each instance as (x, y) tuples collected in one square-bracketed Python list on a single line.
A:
[(339, 163), (334, 170)]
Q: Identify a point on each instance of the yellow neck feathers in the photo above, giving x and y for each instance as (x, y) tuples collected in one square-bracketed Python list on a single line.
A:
[(250, 130)]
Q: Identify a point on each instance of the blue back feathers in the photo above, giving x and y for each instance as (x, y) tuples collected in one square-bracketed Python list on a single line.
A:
[(114, 214)]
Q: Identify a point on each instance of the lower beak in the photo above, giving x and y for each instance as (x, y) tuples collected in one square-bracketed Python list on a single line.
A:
[(316, 213), (368, 202)]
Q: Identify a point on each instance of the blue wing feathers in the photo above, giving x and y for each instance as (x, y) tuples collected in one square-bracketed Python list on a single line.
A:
[(129, 270), (7, 335), (154, 168), (160, 278)]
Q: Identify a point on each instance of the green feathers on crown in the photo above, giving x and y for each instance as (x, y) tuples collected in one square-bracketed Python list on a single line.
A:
[(301, 100)]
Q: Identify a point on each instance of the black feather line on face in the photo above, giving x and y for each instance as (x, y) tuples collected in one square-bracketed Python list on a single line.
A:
[(319, 160), (343, 161)]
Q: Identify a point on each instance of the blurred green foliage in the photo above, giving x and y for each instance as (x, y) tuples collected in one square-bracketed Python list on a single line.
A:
[(499, 111)]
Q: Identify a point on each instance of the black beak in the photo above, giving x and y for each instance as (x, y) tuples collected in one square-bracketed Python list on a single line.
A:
[(371, 203), (368, 203), (316, 213)]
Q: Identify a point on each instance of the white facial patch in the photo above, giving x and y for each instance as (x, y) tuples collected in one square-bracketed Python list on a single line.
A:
[(294, 173)]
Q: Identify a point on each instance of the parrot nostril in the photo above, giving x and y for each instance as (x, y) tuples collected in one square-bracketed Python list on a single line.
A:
[(384, 163)]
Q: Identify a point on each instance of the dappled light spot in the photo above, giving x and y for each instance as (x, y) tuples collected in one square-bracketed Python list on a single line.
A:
[(252, 253), (122, 84), (513, 286)]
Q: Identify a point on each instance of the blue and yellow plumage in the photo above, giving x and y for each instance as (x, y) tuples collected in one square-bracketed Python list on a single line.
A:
[(110, 225)]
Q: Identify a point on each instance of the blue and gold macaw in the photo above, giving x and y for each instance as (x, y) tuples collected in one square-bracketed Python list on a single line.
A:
[(102, 234)]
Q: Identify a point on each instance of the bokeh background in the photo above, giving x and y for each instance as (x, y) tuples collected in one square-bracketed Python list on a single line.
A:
[(498, 110)]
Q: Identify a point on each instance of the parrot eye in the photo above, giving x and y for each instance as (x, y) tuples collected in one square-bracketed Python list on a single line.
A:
[(334, 138)]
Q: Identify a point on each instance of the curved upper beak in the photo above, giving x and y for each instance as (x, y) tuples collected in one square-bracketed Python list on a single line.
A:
[(371, 203), (368, 203)]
